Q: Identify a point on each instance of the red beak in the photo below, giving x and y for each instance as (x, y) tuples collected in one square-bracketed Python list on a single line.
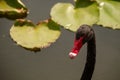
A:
[(77, 46)]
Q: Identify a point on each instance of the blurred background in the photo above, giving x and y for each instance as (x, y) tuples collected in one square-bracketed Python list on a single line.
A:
[(53, 63)]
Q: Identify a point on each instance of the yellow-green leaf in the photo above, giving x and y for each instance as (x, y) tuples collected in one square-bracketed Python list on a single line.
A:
[(12, 9), (109, 13), (34, 37), (71, 17)]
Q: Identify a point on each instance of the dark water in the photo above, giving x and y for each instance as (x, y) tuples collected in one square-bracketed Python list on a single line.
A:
[(53, 63)]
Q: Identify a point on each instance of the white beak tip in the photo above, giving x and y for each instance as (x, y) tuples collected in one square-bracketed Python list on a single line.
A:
[(72, 55)]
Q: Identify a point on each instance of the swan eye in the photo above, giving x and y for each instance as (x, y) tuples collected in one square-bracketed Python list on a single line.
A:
[(83, 31), (78, 35)]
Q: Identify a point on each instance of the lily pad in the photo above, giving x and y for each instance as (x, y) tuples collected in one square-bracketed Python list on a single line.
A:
[(34, 37), (101, 12), (12, 9), (109, 13), (71, 17)]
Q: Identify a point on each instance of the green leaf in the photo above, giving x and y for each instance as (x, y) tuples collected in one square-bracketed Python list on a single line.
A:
[(101, 12), (71, 17), (12, 9), (34, 37), (109, 13)]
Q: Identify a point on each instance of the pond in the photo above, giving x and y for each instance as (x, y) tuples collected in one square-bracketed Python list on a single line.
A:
[(53, 63)]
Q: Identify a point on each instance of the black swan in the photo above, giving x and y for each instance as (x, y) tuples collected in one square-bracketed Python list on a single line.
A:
[(85, 34)]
